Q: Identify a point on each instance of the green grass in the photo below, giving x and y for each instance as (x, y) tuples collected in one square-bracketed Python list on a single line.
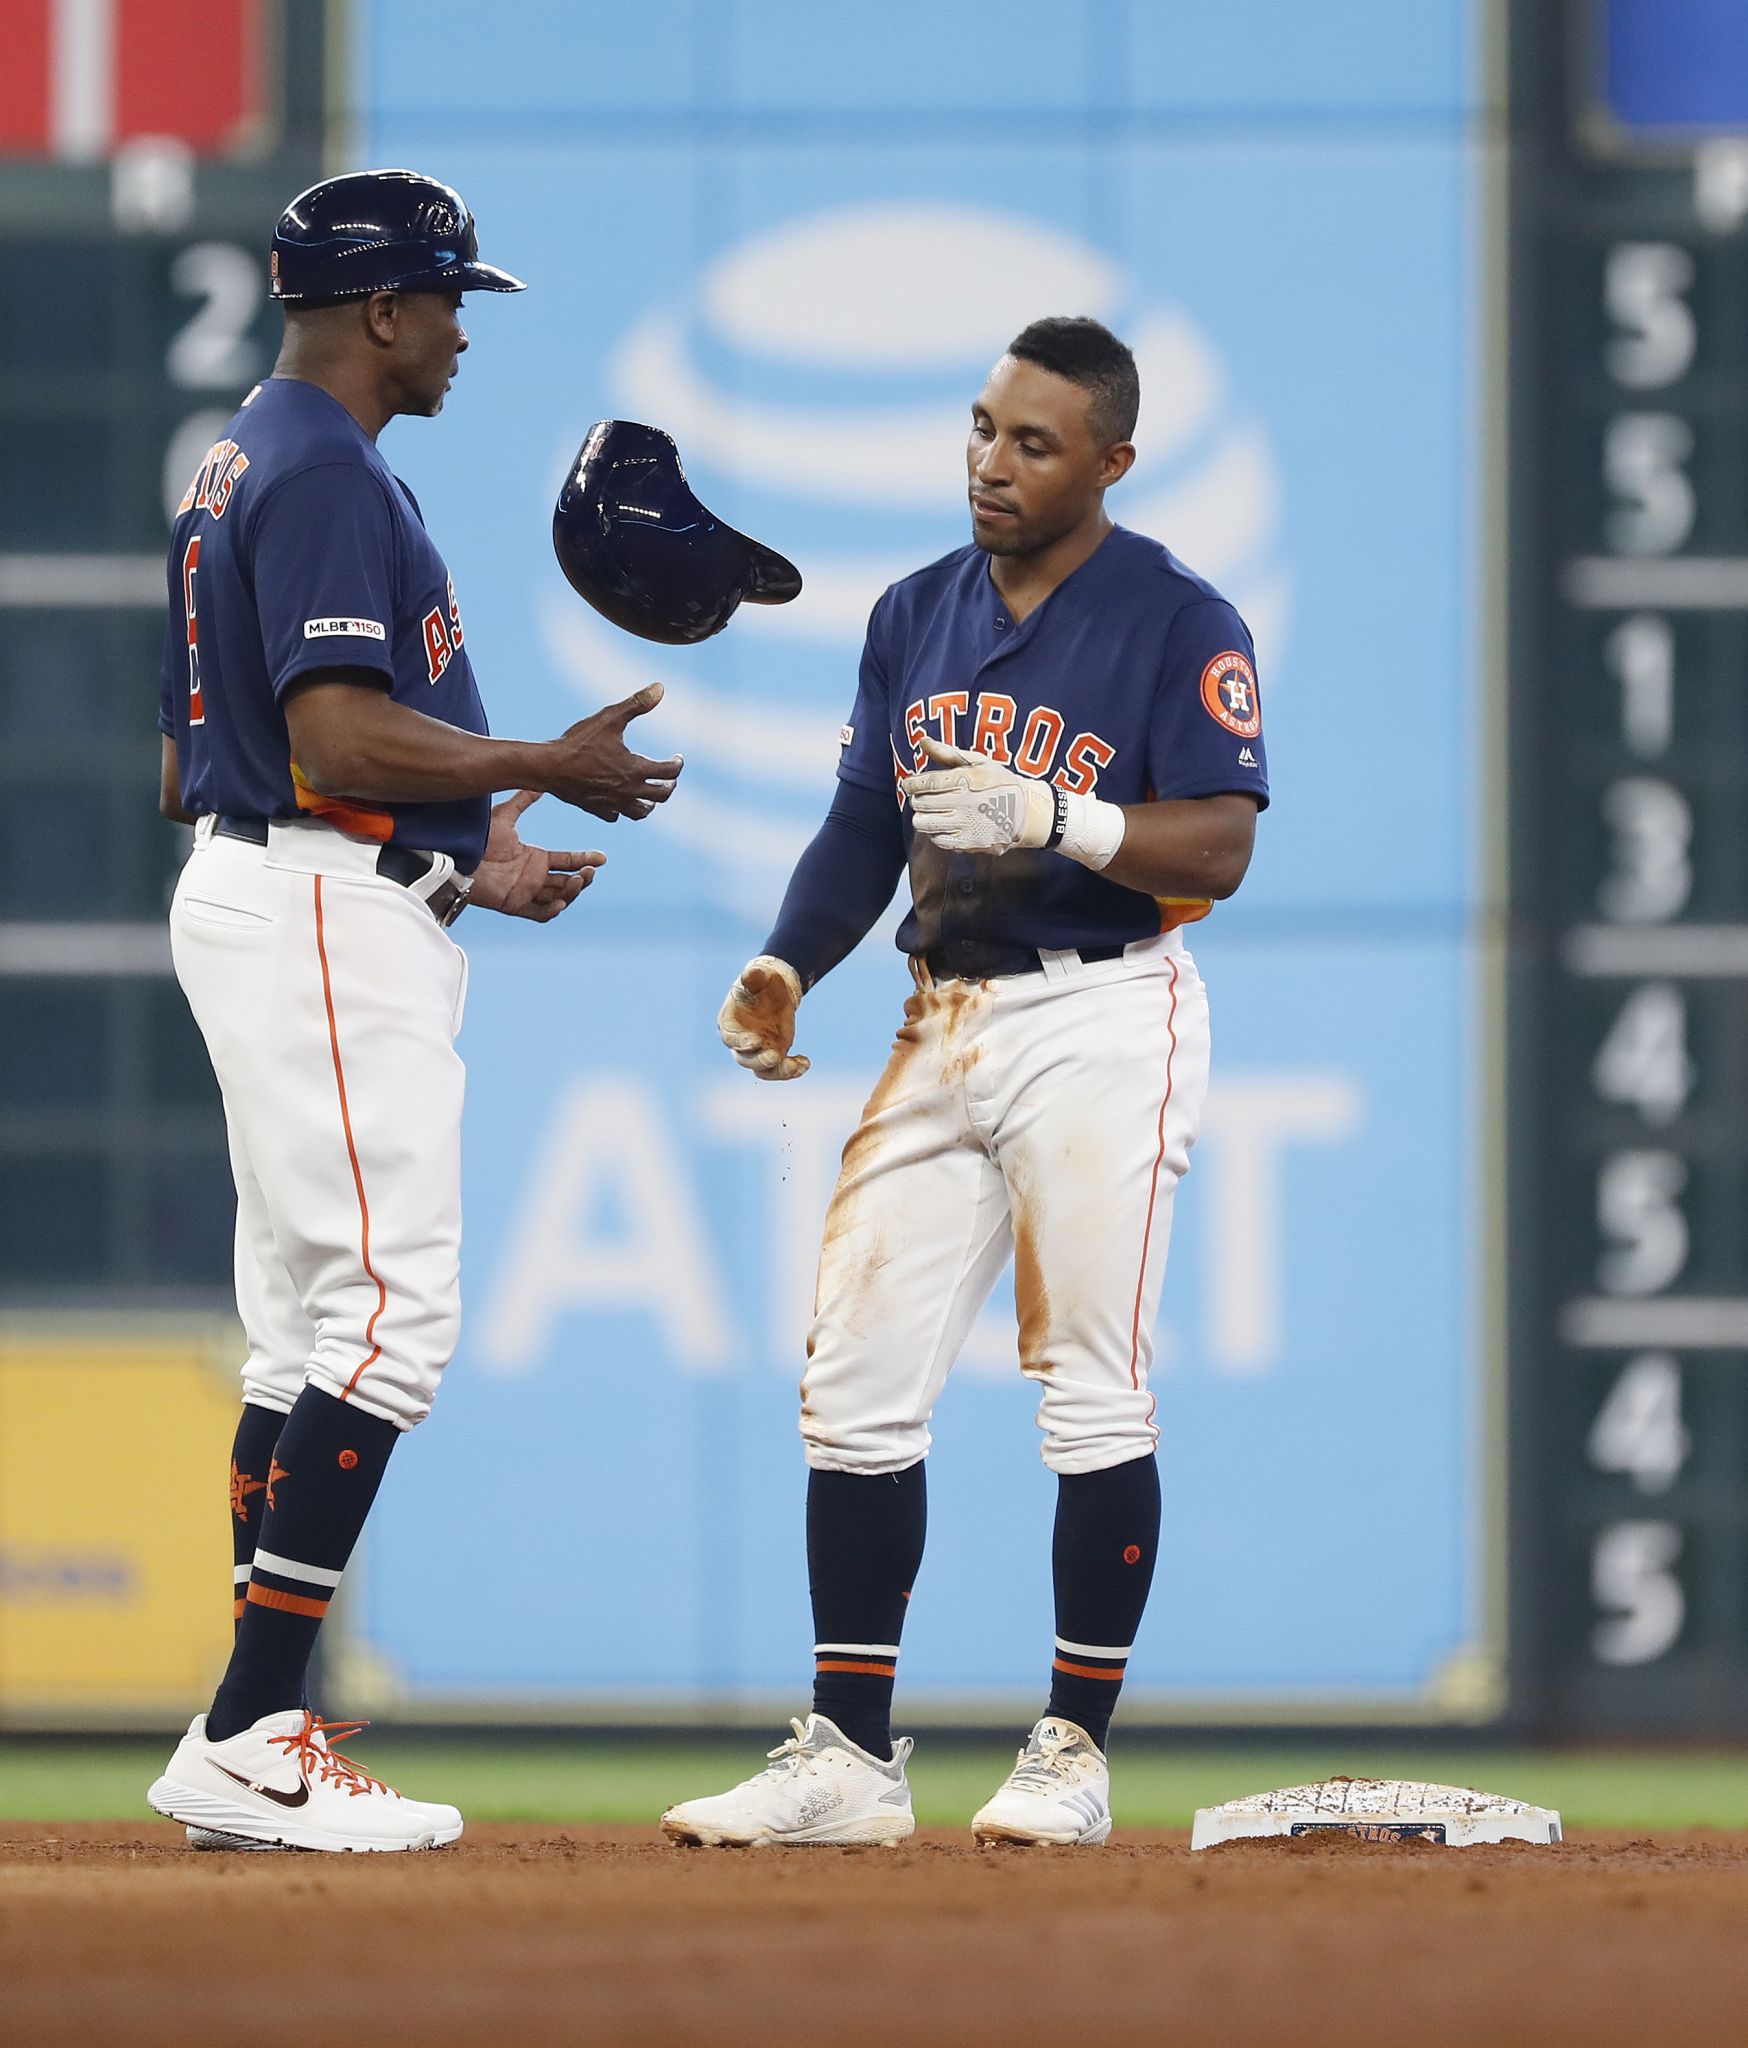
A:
[(584, 1780)]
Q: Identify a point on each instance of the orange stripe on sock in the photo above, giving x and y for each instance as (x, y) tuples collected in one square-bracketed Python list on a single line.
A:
[(351, 1151), (1075, 1670), (237, 1609), (286, 1603), (846, 1664)]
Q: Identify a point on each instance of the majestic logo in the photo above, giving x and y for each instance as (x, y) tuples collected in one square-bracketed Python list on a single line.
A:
[(821, 371), (1229, 692), (1246, 759), (298, 1798)]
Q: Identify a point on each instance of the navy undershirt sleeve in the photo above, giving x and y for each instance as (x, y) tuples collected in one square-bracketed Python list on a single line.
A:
[(841, 883)]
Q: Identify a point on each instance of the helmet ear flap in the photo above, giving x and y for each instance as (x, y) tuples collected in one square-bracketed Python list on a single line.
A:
[(635, 542)]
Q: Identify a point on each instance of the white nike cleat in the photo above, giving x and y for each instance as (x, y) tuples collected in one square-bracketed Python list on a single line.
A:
[(1058, 1791), (817, 1788), (278, 1785)]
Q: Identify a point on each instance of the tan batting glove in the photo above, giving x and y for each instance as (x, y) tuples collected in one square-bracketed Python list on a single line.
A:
[(968, 803), (757, 1020)]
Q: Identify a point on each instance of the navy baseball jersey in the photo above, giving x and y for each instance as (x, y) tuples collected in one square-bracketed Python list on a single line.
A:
[(297, 548), (1133, 680)]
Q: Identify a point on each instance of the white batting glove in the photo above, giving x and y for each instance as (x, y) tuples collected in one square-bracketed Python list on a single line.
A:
[(968, 803), (757, 1019)]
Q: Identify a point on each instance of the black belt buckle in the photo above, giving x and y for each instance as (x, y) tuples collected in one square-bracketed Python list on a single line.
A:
[(409, 867), (447, 904)]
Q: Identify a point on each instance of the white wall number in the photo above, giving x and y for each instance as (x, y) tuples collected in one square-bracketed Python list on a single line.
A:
[(1638, 1213), (1720, 183), (1641, 652), (1642, 457), (1644, 286), (1638, 1431), (1643, 1063), (1632, 1579), (1653, 829), (215, 348)]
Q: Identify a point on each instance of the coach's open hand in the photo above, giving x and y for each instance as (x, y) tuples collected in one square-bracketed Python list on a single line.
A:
[(968, 803), (757, 1020), (590, 765), (523, 880)]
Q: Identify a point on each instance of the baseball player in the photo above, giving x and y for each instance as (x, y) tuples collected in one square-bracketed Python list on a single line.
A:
[(1057, 731), (324, 734)]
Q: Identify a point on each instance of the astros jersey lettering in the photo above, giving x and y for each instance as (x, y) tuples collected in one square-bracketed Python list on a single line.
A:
[(1133, 680), (297, 548)]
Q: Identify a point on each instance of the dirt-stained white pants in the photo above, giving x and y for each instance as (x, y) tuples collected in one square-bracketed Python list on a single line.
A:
[(1049, 1114), (329, 998)]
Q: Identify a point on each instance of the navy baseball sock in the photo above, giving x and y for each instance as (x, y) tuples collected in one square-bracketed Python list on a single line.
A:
[(864, 1543), (1107, 1534), (325, 1469), (251, 1462)]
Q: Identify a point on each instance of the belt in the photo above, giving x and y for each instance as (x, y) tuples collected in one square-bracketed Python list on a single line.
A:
[(403, 864), (980, 959)]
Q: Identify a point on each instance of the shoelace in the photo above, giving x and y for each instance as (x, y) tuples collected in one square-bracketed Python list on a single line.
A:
[(790, 1756), (311, 1748), (1044, 1770)]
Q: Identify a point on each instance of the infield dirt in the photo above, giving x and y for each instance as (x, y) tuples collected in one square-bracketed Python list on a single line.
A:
[(522, 1936)]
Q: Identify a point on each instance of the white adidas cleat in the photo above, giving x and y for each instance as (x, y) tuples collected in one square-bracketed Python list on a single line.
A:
[(278, 1785), (1058, 1791), (817, 1788)]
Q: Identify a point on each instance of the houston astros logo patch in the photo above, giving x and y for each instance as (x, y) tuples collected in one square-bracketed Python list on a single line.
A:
[(1229, 691)]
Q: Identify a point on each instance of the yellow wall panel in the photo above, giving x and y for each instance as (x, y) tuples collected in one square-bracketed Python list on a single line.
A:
[(115, 1569)]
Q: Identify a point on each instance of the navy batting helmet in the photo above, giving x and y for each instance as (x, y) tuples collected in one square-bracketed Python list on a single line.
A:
[(379, 231), (637, 544)]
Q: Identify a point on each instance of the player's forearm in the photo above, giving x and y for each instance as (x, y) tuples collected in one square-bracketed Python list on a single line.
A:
[(841, 884), (357, 742), (1190, 847)]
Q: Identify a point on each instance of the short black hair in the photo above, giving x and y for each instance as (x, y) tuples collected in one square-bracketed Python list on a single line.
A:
[(1087, 353)]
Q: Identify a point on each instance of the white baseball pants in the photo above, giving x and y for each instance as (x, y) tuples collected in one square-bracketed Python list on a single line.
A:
[(329, 998), (1049, 1114)]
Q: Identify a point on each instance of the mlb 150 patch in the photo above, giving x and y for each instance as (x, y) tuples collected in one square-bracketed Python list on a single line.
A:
[(350, 629)]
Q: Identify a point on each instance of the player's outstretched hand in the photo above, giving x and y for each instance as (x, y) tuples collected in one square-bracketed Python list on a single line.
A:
[(967, 803), (523, 880), (592, 767), (757, 1020)]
